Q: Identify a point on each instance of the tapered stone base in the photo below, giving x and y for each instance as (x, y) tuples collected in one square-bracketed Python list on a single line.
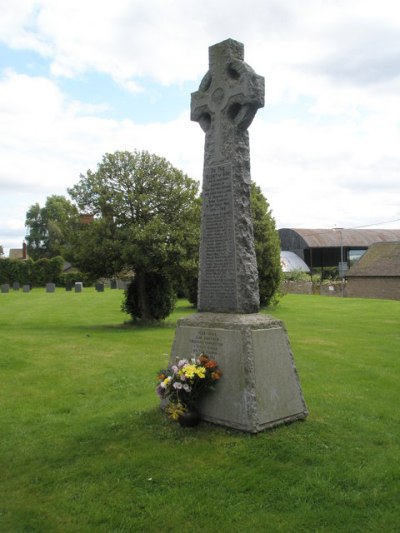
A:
[(260, 388)]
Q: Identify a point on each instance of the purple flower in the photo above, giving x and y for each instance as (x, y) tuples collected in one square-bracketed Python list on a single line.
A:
[(160, 391)]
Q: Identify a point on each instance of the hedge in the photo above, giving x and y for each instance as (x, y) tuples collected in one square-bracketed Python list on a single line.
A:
[(37, 273)]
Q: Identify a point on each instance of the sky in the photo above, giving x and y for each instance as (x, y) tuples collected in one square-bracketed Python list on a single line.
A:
[(82, 78)]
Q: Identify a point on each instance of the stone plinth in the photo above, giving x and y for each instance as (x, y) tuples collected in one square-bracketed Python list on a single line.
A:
[(260, 387)]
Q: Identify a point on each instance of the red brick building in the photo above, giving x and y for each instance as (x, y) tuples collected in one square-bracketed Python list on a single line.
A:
[(377, 273)]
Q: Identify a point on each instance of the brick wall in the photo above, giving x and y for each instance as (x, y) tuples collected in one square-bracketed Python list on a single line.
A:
[(297, 287), (387, 287)]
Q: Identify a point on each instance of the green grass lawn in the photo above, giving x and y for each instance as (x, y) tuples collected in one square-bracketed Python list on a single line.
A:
[(84, 446)]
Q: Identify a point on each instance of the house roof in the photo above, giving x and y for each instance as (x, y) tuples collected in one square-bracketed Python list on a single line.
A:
[(334, 238), (16, 253), (382, 259)]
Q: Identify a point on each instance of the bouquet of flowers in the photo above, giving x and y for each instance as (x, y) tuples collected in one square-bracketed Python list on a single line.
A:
[(183, 383)]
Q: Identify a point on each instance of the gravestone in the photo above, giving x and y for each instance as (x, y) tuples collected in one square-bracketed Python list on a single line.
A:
[(113, 284), (5, 288), (15, 286), (50, 287), (260, 387), (26, 288), (99, 287), (68, 286), (78, 286)]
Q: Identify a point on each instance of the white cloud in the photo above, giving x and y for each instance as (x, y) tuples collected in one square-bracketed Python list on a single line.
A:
[(335, 161)]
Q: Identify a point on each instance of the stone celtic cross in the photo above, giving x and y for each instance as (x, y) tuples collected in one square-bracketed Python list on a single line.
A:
[(225, 104)]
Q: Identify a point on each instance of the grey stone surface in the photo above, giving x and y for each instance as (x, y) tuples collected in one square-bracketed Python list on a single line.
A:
[(260, 387), (50, 287), (224, 106), (100, 287), (26, 288), (78, 286), (5, 288), (16, 286)]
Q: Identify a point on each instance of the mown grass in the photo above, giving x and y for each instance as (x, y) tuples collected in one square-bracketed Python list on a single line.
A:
[(85, 448)]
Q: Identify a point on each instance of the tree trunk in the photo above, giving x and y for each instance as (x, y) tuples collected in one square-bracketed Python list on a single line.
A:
[(142, 296)]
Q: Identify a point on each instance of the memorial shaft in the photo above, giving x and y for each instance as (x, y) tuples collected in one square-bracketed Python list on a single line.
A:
[(225, 105)]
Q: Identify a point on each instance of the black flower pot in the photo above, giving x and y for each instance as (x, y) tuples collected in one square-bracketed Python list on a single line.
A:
[(189, 419)]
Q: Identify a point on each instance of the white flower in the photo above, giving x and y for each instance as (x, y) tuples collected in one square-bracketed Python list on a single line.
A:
[(177, 385), (187, 388)]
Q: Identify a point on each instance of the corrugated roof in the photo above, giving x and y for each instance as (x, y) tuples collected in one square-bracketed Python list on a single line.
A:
[(329, 238), (381, 259)]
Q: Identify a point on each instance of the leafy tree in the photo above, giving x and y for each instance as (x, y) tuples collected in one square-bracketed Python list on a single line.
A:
[(267, 245), (49, 227), (144, 220), (160, 300), (1, 251)]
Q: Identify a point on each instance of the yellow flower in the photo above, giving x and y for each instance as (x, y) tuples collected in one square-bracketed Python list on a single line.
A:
[(175, 410), (201, 372), (189, 371)]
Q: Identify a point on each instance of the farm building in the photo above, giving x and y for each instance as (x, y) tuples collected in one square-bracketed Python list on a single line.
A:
[(377, 273), (328, 247)]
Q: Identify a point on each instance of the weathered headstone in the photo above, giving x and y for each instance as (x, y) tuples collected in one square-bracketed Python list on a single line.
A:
[(26, 288), (50, 287), (78, 286), (5, 288), (68, 286), (99, 287), (260, 387), (15, 286), (113, 284)]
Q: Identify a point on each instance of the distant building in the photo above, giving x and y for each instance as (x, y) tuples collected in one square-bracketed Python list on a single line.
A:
[(85, 218), (290, 262), (18, 253), (377, 273), (326, 247)]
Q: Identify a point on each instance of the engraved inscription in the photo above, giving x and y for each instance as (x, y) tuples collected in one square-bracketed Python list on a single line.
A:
[(225, 104), (206, 341), (218, 268)]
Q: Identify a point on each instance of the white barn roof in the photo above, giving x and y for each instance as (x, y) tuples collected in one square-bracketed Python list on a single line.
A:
[(291, 262)]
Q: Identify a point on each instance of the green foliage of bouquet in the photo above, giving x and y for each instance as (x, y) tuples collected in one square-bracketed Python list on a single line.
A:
[(183, 383)]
